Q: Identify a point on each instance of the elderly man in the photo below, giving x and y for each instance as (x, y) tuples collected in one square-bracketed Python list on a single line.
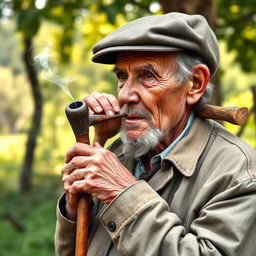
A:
[(172, 184)]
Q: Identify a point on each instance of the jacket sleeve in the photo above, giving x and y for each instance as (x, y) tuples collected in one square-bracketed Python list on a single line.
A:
[(140, 222), (65, 232)]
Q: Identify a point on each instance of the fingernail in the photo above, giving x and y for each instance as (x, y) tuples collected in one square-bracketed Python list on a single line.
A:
[(110, 112), (98, 108), (116, 108)]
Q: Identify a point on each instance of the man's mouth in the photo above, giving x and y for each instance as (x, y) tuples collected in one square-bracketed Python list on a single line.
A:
[(133, 118)]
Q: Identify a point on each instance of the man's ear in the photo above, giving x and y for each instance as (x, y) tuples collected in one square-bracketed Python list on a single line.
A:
[(197, 83)]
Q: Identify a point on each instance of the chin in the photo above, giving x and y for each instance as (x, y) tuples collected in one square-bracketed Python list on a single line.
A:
[(134, 135), (140, 143)]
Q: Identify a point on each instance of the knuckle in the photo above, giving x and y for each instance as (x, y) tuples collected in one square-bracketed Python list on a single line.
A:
[(93, 176), (104, 153), (101, 155), (74, 162), (63, 171), (112, 97), (66, 188), (69, 151), (94, 160), (75, 186), (75, 147), (89, 185), (90, 100), (64, 178)]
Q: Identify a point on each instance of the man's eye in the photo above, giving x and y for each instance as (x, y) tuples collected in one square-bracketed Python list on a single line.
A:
[(121, 76), (148, 75)]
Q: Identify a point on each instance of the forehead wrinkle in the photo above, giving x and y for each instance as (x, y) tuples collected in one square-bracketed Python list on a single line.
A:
[(162, 63), (134, 66)]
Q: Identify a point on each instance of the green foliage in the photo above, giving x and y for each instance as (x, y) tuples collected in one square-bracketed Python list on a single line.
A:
[(35, 213), (14, 93), (236, 24), (28, 21), (10, 54)]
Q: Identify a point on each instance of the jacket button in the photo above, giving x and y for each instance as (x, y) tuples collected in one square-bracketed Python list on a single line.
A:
[(111, 226)]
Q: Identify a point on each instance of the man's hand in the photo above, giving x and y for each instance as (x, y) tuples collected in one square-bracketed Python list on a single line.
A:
[(102, 103), (93, 170)]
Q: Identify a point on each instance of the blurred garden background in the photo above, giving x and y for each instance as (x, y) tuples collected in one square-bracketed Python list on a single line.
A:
[(34, 132)]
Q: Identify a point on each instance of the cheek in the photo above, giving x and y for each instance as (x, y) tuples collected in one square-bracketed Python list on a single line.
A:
[(158, 102), (170, 105)]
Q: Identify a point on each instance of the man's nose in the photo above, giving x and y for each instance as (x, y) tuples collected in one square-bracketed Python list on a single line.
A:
[(128, 93)]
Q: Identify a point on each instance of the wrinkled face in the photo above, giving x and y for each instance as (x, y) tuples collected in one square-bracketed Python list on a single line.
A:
[(148, 92)]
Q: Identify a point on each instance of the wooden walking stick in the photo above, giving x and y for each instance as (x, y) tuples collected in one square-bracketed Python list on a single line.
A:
[(78, 116)]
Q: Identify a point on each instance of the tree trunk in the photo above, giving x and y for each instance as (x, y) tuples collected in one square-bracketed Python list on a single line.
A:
[(206, 8), (26, 169)]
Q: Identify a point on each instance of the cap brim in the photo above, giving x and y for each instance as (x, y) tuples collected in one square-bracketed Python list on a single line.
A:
[(109, 55)]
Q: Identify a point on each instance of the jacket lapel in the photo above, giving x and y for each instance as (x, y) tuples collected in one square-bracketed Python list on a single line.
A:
[(189, 148)]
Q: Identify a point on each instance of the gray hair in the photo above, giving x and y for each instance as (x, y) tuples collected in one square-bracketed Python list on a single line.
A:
[(143, 144), (185, 61)]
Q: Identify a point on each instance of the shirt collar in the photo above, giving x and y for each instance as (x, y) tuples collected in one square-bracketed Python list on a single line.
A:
[(156, 160)]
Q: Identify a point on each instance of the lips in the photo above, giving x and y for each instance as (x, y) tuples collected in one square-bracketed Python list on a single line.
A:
[(132, 118)]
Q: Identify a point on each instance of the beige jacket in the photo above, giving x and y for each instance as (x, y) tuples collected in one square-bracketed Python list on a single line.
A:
[(201, 202)]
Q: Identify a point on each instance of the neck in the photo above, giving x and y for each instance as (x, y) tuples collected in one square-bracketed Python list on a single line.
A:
[(171, 135)]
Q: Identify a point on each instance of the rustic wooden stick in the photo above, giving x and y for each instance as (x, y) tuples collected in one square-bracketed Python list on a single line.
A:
[(234, 115)]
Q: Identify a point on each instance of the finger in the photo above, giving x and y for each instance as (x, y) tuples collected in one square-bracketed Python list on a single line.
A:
[(97, 145), (93, 103), (78, 149), (78, 174), (71, 199), (77, 187), (105, 102), (68, 180), (91, 112), (75, 163), (113, 102), (66, 183)]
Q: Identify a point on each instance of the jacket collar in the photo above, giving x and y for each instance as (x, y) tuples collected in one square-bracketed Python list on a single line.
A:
[(184, 156), (187, 152)]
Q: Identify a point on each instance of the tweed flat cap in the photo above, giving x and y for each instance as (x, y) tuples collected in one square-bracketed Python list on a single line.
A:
[(161, 33)]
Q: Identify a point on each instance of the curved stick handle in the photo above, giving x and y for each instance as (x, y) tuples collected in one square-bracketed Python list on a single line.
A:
[(78, 116)]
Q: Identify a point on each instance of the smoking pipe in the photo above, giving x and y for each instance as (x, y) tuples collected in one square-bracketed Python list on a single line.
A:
[(78, 116), (234, 115)]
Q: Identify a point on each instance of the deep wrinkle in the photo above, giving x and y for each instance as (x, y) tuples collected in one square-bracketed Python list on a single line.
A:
[(140, 72), (166, 100)]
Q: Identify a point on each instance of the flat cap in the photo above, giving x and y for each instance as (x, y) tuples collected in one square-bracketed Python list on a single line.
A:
[(161, 33)]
